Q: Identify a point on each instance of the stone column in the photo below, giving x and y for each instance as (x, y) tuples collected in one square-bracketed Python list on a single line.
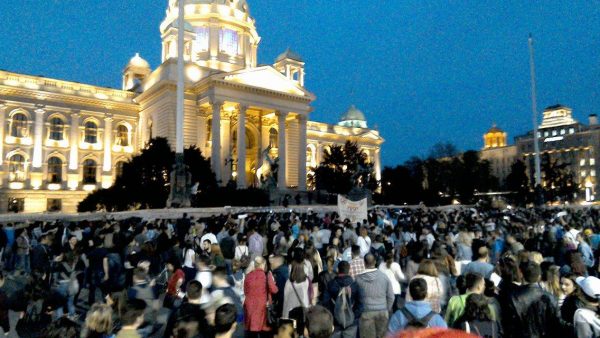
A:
[(377, 164), (107, 162), (74, 141), (241, 148), (226, 147), (36, 162), (202, 133), (215, 158), (281, 171), (302, 153), (3, 107)]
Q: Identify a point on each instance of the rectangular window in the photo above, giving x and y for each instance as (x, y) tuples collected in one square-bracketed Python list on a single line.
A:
[(202, 38), (571, 130), (54, 204), (582, 162), (554, 133), (546, 134), (593, 172), (16, 204), (228, 41), (562, 131), (592, 161), (583, 173)]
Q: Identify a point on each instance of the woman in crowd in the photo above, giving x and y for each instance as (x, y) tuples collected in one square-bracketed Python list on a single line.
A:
[(477, 318), (435, 287), (99, 322), (259, 288), (393, 271), (298, 290)]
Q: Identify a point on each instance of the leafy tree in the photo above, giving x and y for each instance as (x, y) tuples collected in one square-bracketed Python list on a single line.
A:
[(518, 183), (443, 150), (343, 168), (145, 182), (559, 181)]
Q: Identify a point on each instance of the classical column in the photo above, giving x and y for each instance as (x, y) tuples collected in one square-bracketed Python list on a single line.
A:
[(226, 147), (281, 171), (74, 141), (107, 163), (2, 128), (377, 164), (241, 148), (302, 153), (36, 162), (215, 158), (202, 132)]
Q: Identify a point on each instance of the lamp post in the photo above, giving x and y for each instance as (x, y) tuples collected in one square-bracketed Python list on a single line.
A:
[(536, 137), (180, 177)]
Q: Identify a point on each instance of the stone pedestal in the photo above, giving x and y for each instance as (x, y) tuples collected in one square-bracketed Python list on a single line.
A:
[(181, 180)]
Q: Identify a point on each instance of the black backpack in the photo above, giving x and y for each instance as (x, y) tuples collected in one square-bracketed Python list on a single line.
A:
[(414, 322)]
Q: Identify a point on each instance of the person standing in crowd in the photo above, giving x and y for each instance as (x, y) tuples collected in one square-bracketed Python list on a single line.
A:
[(23, 247), (478, 319), (189, 308), (132, 319), (255, 243), (333, 302), (481, 266), (475, 284), (298, 290), (586, 319), (531, 312), (281, 274), (416, 313), (393, 271), (259, 287), (357, 264), (435, 288), (319, 323), (98, 322), (364, 242), (377, 296), (225, 321)]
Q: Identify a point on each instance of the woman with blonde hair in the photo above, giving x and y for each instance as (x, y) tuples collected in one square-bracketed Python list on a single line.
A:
[(435, 287), (259, 288), (552, 283), (98, 322), (463, 247)]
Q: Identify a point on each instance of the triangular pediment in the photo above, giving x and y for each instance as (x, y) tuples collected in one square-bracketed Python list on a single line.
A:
[(265, 77)]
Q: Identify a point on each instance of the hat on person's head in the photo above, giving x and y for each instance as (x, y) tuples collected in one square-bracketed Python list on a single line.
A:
[(590, 286), (588, 232)]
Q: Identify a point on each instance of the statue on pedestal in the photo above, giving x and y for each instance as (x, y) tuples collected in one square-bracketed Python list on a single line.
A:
[(181, 185)]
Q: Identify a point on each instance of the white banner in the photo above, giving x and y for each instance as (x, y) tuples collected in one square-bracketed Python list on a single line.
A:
[(354, 211)]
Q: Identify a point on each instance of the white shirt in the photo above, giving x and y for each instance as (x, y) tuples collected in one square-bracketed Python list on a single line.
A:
[(586, 323), (240, 251), (394, 274), (188, 258), (365, 245)]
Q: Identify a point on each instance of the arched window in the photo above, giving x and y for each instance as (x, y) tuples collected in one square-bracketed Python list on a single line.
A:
[(19, 125), (91, 132), (55, 170), (122, 136), (17, 168), (273, 136), (119, 169), (89, 171), (57, 128)]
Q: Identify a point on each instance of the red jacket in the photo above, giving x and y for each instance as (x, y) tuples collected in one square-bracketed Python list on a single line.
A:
[(255, 305)]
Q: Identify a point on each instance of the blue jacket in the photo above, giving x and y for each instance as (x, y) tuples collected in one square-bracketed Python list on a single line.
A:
[(419, 309)]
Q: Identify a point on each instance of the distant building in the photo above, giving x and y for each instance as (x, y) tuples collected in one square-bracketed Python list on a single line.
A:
[(496, 151), (565, 141)]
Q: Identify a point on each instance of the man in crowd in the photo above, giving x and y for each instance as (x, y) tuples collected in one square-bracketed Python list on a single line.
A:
[(330, 299), (319, 323), (357, 264), (190, 308), (377, 296), (481, 266), (281, 274), (416, 310), (132, 319), (456, 306)]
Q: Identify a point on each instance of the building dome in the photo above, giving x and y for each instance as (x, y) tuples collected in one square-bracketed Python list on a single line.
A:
[(494, 138), (289, 54), (138, 62), (353, 118), (495, 129)]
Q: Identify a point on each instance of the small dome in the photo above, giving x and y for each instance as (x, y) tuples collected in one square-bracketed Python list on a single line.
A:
[(353, 118), (138, 62), (289, 54), (495, 129)]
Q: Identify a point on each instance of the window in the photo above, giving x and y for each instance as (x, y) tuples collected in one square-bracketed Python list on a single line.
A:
[(91, 132), (54, 204), (583, 173), (592, 161), (593, 172), (19, 126), (554, 133), (228, 41), (571, 130), (89, 172), (582, 162), (57, 128), (17, 168), (562, 131), (202, 36), (119, 169), (273, 136), (16, 204), (54, 170), (122, 136), (546, 134)]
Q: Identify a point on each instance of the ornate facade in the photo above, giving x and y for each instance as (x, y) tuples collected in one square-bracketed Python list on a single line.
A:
[(62, 140)]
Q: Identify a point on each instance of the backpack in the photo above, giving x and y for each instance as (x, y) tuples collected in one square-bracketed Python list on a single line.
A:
[(414, 322), (32, 323), (116, 272), (342, 312)]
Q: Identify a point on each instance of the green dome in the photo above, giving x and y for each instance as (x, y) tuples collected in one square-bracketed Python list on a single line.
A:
[(353, 118)]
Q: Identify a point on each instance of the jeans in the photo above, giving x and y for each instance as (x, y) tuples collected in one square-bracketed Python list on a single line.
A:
[(22, 263), (349, 332), (373, 324), (63, 289)]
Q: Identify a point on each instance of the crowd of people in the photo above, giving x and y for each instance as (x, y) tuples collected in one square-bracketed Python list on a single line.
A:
[(465, 271)]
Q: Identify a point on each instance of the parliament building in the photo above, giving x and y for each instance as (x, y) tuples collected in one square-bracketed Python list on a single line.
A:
[(61, 140)]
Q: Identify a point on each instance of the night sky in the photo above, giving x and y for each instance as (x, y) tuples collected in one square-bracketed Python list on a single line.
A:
[(422, 71)]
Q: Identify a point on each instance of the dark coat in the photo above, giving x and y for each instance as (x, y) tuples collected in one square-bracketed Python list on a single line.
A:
[(531, 312), (333, 289)]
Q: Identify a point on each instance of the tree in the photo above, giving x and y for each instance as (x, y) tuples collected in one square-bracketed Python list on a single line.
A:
[(443, 150), (517, 182), (559, 181), (343, 168), (145, 181)]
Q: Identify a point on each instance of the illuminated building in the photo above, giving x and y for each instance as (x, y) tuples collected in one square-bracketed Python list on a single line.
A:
[(62, 140)]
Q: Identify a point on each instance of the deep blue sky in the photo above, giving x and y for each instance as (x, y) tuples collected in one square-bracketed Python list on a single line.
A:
[(422, 71)]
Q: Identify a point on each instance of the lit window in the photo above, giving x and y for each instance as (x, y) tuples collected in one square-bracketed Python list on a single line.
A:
[(273, 136), (539, 134), (91, 132), (592, 161), (122, 136), (57, 128), (562, 131), (571, 130), (202, 36), (583, 173), (89, 172), (546, 134), (19, 125), (554, 133), (54, 170), (593, 172), (582, 162), (17, 168), (229, 41)]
